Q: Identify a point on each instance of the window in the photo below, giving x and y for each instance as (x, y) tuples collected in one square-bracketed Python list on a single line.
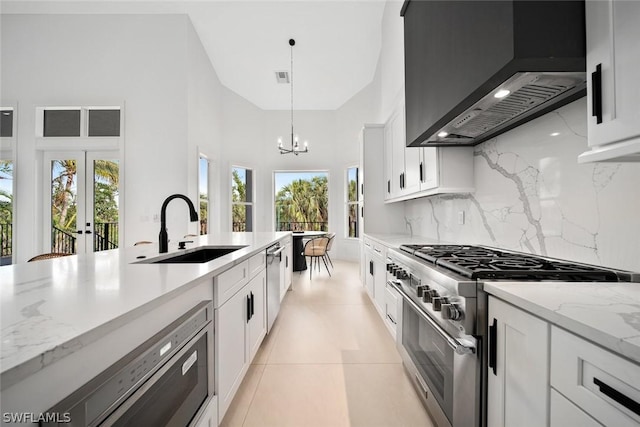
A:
[(74, 122), (6, 122), (6, 211), (241, 199), (353, 203), (203, 190), (301, 201)]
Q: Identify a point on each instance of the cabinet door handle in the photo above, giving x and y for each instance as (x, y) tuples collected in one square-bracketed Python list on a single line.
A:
[(614, 394), (421, 173), (388, 186), (286, 261), (371, 268), (361, 211), (248, 308), (362, 188), (252, 306), (596, 93), (493, 350)]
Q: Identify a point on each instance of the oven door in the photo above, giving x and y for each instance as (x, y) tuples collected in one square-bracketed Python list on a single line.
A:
[(175, 394), (445, 369)]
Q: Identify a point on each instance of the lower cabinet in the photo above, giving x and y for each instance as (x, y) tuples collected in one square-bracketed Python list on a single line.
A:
[(240, 328), (566, 414), (599, 383), (287, 261), (518, 374), (375, 274), (209, 417)]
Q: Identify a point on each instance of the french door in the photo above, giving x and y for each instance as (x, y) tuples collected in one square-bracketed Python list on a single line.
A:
[(81, 201)]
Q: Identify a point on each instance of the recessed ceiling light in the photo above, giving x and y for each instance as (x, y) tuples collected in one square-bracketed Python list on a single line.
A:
[(502, 93), (443, 134), (555, 134)]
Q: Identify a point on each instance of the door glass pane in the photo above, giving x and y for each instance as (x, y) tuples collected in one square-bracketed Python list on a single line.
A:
[(6, 211), (352, 182), (61, 123), (203, 179), (353, 220), (104, 123), (242, 218), (6, 123), (63, 205), (105, 204)]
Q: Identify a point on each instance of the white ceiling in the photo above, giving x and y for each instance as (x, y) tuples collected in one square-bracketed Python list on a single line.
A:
[(335, 56)]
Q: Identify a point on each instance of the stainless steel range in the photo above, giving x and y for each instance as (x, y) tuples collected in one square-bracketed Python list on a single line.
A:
[(442, 335)]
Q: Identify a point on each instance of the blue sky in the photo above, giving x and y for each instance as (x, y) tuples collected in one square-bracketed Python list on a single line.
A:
[(286, 178)]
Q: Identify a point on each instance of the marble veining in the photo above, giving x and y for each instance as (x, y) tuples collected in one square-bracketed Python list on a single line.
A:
[(52, 308), (532, 196)]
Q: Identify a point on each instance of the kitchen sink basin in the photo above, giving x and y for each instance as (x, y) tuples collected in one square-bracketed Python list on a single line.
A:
[(200, 255)]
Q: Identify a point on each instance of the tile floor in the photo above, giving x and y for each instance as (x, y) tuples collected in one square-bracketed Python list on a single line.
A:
[(328, 361)]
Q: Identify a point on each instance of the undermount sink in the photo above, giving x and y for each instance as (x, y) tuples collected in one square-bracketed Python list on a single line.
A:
[(198, 256)]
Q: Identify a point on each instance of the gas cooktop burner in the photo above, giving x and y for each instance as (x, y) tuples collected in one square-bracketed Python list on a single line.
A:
[(476, 262)]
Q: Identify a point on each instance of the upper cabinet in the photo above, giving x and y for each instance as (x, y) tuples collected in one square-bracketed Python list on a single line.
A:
[(475, 69), (613, 63), (412, 172)]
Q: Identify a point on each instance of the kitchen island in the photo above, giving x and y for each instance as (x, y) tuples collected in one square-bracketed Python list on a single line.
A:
[(65, 320)]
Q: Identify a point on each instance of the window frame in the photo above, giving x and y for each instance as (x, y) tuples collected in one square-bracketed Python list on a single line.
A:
[(348, 203), (327, 172), (207, 200), (249, 220)]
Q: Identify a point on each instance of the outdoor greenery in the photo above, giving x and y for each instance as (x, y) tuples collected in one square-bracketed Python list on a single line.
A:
[(64, 196), (204, 214), (303, 203), (238, 210), (6, 198)]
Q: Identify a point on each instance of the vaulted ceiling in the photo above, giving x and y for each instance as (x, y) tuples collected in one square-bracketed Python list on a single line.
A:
[(335, 56)]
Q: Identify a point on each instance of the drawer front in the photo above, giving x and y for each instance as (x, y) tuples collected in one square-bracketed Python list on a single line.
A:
[(230, 282), (566, 414), (391, 304), (257, 263), (604, 385)]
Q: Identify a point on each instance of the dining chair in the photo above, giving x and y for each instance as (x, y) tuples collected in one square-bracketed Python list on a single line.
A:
[(329, 244), (48, 256), (316, 249)]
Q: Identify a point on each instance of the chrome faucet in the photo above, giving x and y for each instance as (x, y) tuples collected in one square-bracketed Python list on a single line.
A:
[(164, 238)]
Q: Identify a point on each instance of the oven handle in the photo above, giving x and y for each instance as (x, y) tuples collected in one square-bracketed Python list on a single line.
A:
[(458, 346)]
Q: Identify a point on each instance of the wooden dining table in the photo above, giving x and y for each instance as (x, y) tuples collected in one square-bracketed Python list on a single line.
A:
[(299, 260)]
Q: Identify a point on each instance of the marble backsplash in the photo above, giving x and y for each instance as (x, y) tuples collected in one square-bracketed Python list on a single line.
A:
[(532, 196)]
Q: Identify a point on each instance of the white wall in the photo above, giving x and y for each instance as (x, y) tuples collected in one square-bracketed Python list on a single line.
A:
[(141, 60)]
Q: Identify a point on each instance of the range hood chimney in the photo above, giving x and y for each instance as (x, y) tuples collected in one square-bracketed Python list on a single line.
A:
[(476, 69)]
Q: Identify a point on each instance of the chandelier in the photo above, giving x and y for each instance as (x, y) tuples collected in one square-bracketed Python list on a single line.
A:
[(295, 145)]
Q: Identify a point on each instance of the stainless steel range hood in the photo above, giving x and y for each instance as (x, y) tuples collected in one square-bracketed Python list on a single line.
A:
[(475, 69), (528, 93)]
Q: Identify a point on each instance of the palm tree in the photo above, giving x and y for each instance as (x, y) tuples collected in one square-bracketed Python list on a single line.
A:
[(303, 201)]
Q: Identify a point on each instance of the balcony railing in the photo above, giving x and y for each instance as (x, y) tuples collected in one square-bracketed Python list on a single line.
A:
[(302, 226), (105, 236), (62, 241), (6, 249)]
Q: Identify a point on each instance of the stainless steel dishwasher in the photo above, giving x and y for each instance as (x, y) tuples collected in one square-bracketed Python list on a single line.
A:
[(274, 258)]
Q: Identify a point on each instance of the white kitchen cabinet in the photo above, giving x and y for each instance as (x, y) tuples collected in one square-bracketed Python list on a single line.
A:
[(613, 67), (603, 385), (391, 310), (209, 417), (376, 274), (375, 216), (518, 376), (240, 325), (566, 414), (412, 172)]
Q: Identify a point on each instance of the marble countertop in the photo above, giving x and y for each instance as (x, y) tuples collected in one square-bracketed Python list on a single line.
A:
[(50, 307), (607, 314)]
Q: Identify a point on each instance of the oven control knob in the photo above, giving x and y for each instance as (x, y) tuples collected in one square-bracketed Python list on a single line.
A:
[(451, 312), (429, 295), (421, 289), (401, 274), (389, 266), (438, 302)]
